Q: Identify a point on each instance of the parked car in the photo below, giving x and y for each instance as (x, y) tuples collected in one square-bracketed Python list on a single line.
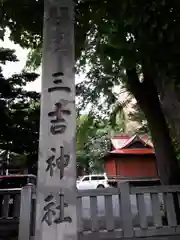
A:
[(16, 180), (93, 181)]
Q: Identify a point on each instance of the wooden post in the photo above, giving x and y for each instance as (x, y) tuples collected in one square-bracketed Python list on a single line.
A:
[(56, 190)]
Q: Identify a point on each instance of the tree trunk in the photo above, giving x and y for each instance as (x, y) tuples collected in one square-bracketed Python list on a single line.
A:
[(170, 101), (147, 98), (56, 190), (170, 107)]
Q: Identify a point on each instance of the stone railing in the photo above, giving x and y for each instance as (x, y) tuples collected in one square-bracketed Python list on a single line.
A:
[(124, 212)]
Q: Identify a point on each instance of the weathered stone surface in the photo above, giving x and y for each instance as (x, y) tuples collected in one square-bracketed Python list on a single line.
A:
[(56, 194)]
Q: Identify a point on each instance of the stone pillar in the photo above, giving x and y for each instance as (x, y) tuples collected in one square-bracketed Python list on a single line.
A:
[(56, 190)]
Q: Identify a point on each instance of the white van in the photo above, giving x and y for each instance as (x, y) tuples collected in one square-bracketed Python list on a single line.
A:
[(93, 181)]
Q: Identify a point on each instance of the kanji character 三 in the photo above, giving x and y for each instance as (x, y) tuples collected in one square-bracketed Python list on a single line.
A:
[(58, 81)]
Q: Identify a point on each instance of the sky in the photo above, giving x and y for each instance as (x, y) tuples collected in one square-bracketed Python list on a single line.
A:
[(16, 67)]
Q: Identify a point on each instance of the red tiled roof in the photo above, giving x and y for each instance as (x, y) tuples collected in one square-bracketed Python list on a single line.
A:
[(133, 151), (120, 142)]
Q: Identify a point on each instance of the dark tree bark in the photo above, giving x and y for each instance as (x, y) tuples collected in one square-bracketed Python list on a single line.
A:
[(169, 94), (147, 97)]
